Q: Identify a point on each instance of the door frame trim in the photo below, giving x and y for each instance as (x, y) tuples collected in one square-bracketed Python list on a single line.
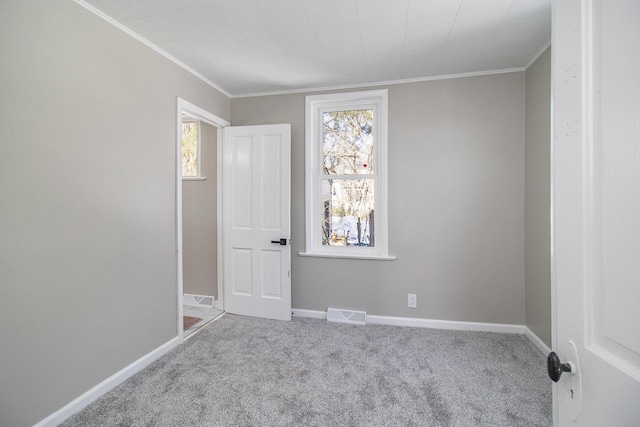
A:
[(193, 110)]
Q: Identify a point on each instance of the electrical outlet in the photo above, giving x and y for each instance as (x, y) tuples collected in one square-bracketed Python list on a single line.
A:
[(412, 301)]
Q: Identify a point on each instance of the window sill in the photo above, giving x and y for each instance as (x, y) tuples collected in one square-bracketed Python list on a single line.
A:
[(348, 256), (194, 178)]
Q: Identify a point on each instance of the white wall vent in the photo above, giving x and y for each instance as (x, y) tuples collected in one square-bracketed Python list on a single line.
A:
[(198, 300), (346, 316)]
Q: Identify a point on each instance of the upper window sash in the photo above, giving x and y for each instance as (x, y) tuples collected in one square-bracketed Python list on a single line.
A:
[(372, 167)]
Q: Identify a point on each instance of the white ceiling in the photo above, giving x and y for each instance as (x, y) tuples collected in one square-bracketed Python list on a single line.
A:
[(261, 46)]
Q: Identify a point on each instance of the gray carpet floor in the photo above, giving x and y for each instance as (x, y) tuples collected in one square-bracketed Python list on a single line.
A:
[(241, 371)]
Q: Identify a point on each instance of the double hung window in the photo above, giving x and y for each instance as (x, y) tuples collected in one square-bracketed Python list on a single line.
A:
[(346, 181)]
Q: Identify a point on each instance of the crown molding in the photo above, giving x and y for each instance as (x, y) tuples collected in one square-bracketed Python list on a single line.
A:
[(147, 43)]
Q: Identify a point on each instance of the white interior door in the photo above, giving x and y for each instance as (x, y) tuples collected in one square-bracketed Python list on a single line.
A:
[(596, 211), (256, 219)]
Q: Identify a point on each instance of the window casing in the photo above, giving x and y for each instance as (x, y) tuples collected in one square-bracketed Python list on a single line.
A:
[(346, 175)]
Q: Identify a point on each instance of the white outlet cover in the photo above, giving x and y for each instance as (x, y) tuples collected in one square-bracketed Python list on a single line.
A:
[(412, 300)]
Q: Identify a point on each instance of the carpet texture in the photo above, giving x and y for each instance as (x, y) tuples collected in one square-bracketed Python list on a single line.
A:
[(188, 321), (241, 371)]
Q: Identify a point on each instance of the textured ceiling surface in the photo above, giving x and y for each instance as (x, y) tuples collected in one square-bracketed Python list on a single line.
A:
[(261, 46)]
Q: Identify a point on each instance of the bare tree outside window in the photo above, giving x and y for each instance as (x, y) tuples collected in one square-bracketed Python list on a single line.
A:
[(189, 149), (347, 195)]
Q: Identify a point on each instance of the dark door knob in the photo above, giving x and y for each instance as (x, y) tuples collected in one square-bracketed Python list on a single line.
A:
[(555, 368), (282, 242)]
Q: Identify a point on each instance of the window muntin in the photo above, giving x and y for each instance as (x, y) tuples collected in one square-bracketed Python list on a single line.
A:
[(346, 175)]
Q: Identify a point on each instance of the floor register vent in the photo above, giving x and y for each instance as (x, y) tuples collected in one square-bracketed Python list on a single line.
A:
[(198, 300), (347, 316)]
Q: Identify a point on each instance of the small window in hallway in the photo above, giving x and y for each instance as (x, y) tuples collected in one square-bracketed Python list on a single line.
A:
[(190, 147)]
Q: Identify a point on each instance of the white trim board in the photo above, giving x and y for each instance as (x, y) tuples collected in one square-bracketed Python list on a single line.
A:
[(422, 323), (383, 83), (121, 376), (150, 45), (203, 115), (182, 65), (439, 324), (107, 385), (537, 55), (540, 345), (446, 324), (309, 314), (187, 68)]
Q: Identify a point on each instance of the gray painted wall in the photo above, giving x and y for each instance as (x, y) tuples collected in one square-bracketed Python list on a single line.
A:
[(537, 198), (199, 222), (456, 193), (87, 202)]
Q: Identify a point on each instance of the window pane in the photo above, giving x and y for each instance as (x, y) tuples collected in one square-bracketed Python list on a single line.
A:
[(190, 149), (347, 147), (348, 212)]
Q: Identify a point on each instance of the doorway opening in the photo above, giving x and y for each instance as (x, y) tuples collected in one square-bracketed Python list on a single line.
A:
[(198, 217)]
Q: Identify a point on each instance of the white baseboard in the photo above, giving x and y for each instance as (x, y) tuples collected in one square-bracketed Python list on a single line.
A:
[(118, 378), (107, 385), (439, 324), (540, 345), (310, 314), (422, 323), (453, 325)]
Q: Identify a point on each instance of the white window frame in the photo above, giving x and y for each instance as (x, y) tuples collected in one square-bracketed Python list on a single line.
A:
[(315, 106), (198, 176)]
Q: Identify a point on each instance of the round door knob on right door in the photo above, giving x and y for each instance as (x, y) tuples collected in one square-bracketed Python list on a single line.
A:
[(555, 368)]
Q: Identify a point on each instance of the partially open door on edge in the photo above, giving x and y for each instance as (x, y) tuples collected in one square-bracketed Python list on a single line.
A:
[(256, 220)]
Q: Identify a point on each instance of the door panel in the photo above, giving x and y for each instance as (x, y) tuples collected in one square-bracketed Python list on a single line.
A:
[(256, 212), (241, 173), (596, 211), (271, 276), (241, 268), (616, 111), (270, 177)]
